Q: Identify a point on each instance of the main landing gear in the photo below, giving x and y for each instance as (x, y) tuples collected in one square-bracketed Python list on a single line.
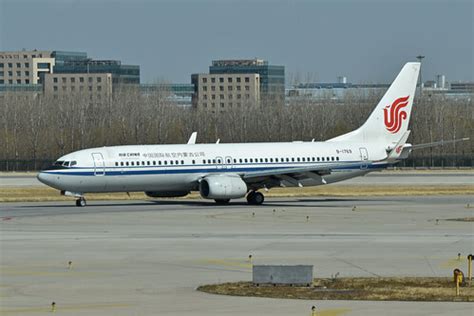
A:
[(255, 198), (222, 201), (81, 202)]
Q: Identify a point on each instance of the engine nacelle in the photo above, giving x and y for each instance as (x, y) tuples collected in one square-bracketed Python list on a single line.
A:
[(222, 187), (157, 194)]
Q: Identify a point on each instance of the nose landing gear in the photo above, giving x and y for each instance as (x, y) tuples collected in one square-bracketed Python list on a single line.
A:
[(255, 198), (81, 202)]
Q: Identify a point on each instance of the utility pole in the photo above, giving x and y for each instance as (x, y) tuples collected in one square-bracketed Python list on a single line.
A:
[(420, 58)]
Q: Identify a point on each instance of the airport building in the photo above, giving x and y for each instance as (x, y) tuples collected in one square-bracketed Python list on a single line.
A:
[(179, 93), (220, 92), (341, 90)]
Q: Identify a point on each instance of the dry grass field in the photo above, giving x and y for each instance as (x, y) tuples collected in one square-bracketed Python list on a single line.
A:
[(371, 289)]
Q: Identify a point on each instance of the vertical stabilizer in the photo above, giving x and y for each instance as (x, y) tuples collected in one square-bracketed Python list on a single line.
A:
[(389, 121)]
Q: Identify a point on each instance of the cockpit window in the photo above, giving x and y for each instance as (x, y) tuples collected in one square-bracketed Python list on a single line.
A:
[(73, 163), (58, 163)]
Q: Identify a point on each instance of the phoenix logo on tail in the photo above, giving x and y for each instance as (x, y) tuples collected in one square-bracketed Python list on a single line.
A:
[(394, 117)]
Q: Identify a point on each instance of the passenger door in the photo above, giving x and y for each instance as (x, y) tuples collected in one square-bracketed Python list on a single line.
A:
[(364, 157), (99, 164)]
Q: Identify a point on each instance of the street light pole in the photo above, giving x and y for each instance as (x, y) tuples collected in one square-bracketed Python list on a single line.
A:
[(420, 58)]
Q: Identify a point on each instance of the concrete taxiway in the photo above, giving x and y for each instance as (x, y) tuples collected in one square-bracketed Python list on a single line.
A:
[(147, 258)]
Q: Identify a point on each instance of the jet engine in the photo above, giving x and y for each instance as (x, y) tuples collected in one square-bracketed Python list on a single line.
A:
[(157, 194), (222, 187)]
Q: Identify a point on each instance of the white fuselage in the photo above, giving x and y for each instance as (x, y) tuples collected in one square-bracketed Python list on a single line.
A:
[(180, 167)]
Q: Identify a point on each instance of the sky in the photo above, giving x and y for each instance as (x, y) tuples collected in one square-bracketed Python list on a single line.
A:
[(367, 41)]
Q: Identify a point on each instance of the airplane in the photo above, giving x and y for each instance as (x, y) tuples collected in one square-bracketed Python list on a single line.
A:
[(223, 172)]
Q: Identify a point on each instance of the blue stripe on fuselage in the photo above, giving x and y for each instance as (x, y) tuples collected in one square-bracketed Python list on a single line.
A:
[(200, 170)]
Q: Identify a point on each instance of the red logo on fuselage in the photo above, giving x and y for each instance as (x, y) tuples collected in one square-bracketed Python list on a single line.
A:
[(393, 115)]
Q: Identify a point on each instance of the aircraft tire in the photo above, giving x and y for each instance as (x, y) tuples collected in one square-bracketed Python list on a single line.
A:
[(255, 198), (81, 202), (222, 201)]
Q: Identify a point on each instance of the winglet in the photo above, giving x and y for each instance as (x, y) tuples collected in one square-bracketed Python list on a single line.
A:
[(192, 138)]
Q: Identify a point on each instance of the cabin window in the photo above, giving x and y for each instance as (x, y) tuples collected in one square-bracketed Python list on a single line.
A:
[(276, 159), (293, 159), (121, 163), (298, 159), (194, 162), (322, 158), (159, 162), (327, 158), (332, 158), (182, 162), (251, 160), (235, 160), (213, 161), (138, 163), (218, 161), (171, 162), (337, 158), (271, 159), (116, 164), (245, 160), (126, 163), (132, 163), (303, 159), (266, 159), (318, 159)]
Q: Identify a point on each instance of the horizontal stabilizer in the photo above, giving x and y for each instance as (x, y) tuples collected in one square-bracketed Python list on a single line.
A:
[(439, 143), (398, 149)]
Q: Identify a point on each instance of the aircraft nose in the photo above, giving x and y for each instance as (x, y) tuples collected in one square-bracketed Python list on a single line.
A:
[(45, 178)]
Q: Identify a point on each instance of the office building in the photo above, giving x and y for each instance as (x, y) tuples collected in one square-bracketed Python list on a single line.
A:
[(220, 92), (272, 77), (95, 86), (78, 62), (25, 67), (60, 73)]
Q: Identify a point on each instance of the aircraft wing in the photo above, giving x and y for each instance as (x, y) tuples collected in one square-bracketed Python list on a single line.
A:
[(439, 143), (295, 174)]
